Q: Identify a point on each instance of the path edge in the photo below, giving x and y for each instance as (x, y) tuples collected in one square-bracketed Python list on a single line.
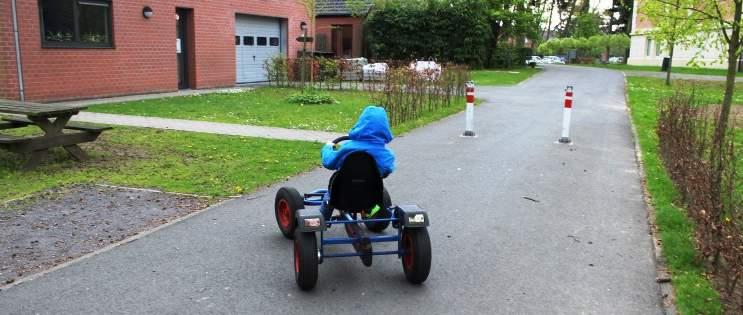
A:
[(663, 276)]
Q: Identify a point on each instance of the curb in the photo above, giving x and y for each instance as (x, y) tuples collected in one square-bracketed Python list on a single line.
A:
[(663, 276)]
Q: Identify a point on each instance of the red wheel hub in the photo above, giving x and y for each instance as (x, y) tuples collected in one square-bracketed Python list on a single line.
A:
[(285, 214), (408, 258)]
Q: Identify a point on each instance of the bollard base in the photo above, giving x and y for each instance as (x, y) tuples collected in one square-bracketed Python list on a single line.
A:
[(564, 140), (468, 134)]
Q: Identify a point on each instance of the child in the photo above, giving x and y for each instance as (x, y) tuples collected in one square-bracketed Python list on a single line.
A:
[(370, 134)]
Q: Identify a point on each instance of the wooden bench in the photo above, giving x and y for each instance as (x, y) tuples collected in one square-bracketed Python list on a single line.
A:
[(52, 119), (20, 121)]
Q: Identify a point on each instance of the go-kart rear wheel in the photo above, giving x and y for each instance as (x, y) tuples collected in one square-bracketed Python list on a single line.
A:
[(288, 201), (416, 258), (305, 259), (382, 213)]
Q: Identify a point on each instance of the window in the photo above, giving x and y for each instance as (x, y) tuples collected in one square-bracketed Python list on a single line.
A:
[(75, 23), (237, 40), (248, 40), (657, 48), (261, 41), (273, 41), (648, 44)]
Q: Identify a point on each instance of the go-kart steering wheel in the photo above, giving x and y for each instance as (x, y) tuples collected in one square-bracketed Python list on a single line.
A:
[(340, 139)]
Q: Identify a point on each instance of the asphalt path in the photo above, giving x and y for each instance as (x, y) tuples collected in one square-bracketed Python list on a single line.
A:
[(519, 225)]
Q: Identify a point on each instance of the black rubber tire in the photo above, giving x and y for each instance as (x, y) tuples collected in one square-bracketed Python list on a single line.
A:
[(291, 199), (378, 227), (416, 264), (305, 260)]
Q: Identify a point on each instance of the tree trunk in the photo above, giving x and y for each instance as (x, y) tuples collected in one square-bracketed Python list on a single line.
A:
[(495, 29), (722, 125), (549, 23), (670, 62)]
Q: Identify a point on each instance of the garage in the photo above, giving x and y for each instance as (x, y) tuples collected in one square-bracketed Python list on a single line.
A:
[(257, 39)]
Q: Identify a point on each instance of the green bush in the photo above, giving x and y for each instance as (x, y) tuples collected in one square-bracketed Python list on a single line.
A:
[(455, 33), (312, 99)]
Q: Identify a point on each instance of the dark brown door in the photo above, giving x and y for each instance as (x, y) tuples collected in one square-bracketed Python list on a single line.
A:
[(182, 17), (342, 40)]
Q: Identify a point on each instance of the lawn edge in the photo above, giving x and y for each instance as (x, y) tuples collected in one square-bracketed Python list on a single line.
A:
[(663, 277)]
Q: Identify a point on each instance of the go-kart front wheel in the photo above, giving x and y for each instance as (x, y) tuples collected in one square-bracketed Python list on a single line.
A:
[(305, 259), (383, 213), (288, 201), (416, 258)]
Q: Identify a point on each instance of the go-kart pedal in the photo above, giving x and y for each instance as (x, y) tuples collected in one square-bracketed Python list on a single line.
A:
[(361, 243)]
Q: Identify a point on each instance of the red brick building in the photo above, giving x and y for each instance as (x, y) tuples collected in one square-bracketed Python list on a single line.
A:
[(73, 49)]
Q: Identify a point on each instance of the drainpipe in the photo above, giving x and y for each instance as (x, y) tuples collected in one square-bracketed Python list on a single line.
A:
[(19, 69)]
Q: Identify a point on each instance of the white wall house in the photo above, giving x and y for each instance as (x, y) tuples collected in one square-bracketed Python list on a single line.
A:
[(649, 52)]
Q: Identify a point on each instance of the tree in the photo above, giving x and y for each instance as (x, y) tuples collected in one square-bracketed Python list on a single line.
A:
[(716, 22), (672, 25), (620, 15), (587, 25), (509, 19)]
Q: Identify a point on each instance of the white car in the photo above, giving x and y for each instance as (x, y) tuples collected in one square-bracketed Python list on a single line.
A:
[(553, 60), (427, 68), (534, 59), (616, 60), (375, 71)]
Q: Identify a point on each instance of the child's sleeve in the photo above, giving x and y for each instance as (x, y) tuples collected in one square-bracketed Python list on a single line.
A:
[(329, 157)]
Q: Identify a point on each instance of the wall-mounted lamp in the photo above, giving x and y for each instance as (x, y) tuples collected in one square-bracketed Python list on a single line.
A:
[(303, 26), (147, 12)]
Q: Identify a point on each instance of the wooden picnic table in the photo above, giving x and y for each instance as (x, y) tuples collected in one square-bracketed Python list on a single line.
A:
[(53, 119)]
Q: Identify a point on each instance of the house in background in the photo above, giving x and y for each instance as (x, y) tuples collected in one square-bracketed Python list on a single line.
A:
[(73, 49), (646, 51), (339, 31)]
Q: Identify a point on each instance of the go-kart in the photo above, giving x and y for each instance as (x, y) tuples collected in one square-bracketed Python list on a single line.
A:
[(355, 196)]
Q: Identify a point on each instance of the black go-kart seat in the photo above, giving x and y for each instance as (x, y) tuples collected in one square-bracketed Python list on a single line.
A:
[(357, 186)]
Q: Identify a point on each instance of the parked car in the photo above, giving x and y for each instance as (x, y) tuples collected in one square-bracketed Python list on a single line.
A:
[(427, 68), (533, 59), (553, 60), (616, 60), (375, 71)]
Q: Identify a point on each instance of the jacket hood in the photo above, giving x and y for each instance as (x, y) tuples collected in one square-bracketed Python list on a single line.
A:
[(372, 126)]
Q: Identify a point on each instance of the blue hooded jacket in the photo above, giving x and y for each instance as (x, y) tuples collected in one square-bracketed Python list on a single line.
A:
[(370, 134)]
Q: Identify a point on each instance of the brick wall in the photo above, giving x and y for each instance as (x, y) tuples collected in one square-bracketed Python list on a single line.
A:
[(144, 58), (8, 81)]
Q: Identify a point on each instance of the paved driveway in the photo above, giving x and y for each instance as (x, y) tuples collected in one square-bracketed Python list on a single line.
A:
[(581, 247)]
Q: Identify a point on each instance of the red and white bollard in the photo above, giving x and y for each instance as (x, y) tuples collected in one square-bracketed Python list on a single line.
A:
[(469, 114), (565, 137)]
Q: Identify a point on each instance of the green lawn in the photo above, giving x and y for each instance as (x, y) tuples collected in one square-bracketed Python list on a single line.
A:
[(684, 70), (262, 107), (267, 106), (694, 293), (654, 88), (502, 77), (203, 164)]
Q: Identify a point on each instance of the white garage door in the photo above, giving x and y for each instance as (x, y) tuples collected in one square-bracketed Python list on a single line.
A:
[(256, 40)]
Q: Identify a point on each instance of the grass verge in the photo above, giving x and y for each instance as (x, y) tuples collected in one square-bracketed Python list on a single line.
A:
[(203, 164), (502, 77), (268, 107), (680, 70), (261, 107), (694, 292)]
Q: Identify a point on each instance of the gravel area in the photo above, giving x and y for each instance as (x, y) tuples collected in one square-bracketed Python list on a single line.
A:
[(61, 224)]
